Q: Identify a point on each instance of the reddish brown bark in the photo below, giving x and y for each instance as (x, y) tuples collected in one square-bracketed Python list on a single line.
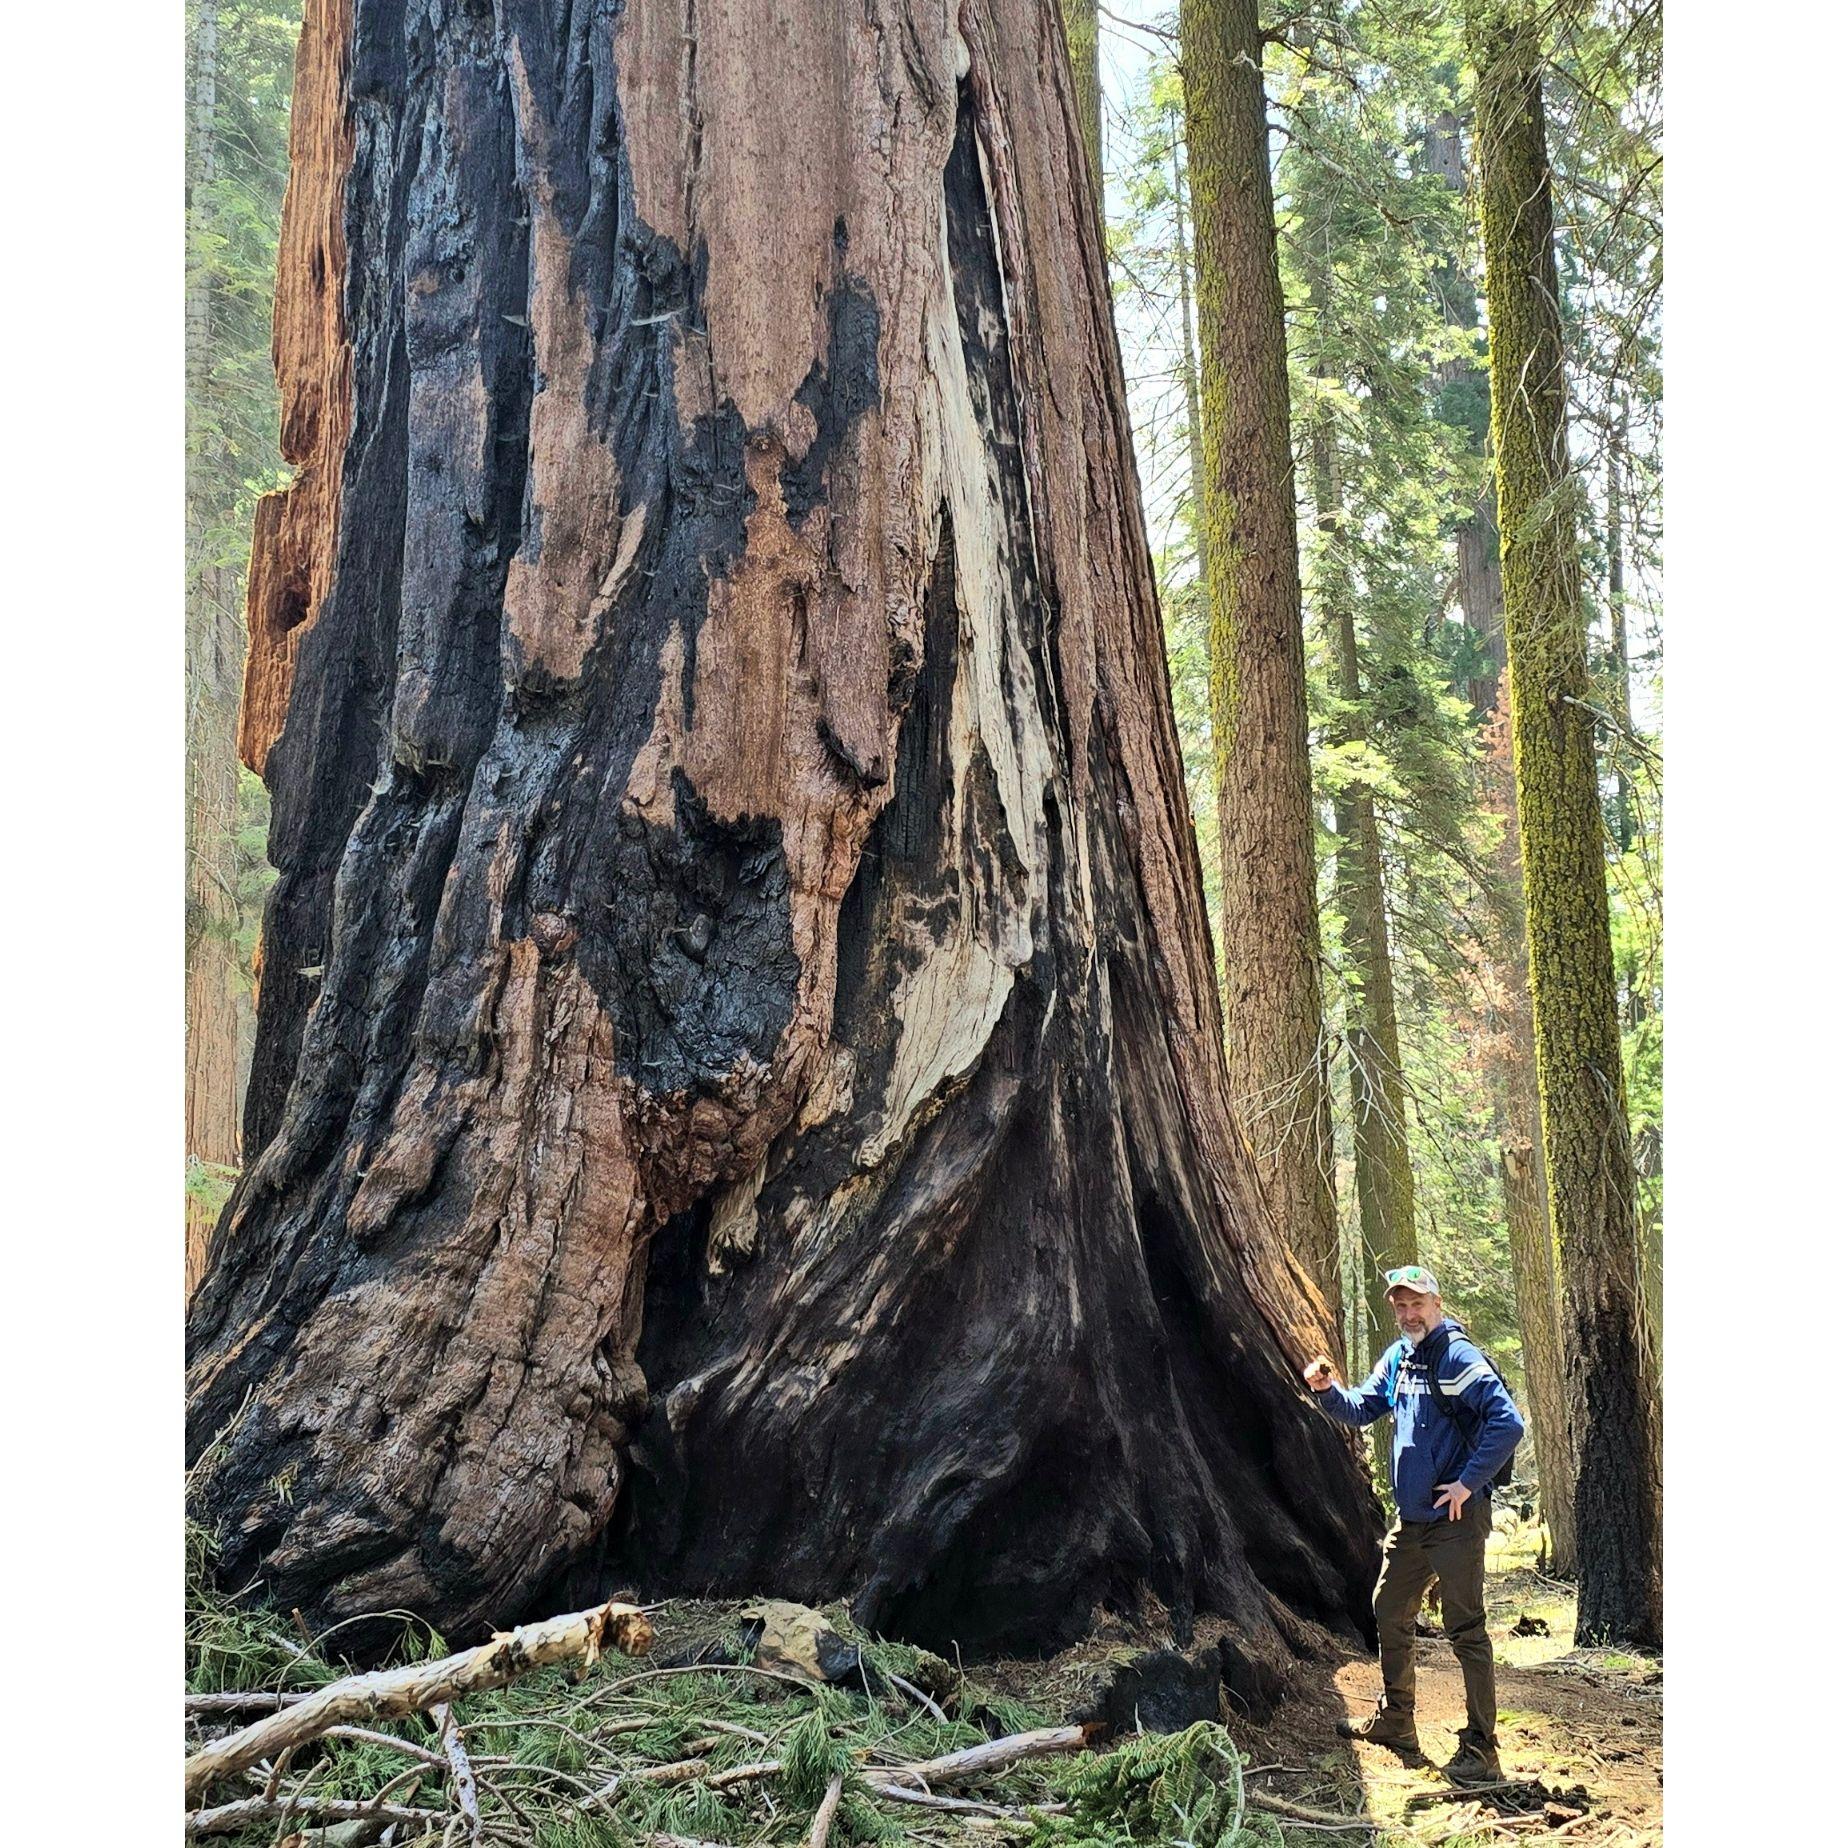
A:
[(738, 1098)]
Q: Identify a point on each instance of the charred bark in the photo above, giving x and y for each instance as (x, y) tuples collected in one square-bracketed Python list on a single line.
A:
[(740, 1101)]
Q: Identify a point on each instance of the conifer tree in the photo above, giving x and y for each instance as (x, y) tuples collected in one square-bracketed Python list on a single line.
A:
[(1591, 1183), (1270, 933)]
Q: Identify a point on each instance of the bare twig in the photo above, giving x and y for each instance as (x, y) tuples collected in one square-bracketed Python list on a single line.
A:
[(230, 1817), (464, 1773), (918, 1694), (263, 1700), (1300, 1812), (928, 1799), (391, 1693), (365, 1736), (824, 1816)]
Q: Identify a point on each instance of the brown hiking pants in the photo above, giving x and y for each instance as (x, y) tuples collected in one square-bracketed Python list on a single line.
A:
[(1452, 1553)]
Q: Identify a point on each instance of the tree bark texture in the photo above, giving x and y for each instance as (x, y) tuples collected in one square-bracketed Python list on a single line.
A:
[(1259, 701), (214, 651), (1590, 1180), (1087, 91), (740, 1102), (1507, 1020), (1515, 1089)]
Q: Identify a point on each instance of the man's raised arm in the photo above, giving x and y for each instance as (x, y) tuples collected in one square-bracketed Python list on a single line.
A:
[(1359, 1407)]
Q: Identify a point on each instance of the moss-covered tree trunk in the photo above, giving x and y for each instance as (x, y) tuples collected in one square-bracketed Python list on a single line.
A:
[(1087, 91), (1508, 1019), (1259, 703), (1515, 1088), (1590, 1181), (739, 1102), (214, 662)]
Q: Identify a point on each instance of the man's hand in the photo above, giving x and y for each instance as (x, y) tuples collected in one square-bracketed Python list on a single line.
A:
[(1319, 1375), (1452, 1495)]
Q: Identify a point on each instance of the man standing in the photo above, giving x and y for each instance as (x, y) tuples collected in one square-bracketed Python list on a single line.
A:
[(1444, 1457)]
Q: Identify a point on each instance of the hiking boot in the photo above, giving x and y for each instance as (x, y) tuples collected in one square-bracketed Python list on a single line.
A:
[(1381, 1727), (1474, 1763)]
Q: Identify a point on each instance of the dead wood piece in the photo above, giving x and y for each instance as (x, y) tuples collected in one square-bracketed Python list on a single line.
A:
[(467, 1800), (993, 1754), (745, 1774), (392, 1693), (973, 1761), (1301, 1812), (927, 1799), (261, 1700), (228, 1818), (364, 1735), (824, 1816)]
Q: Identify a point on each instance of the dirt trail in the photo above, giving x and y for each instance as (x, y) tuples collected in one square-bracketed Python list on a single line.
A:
[(1581, 1728)]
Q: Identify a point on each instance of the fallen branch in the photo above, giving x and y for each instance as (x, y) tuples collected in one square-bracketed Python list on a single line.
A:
[(824, 1816), (260, 1700), (993, 1754), (973, 1761), (392, 1693), (463, 1772), (230, 1817), (928, 1799), (365, 1736), (1301, 1812)]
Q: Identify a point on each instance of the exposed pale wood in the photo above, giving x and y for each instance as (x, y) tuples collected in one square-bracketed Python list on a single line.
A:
[(389, 1693), (993, 1754), (824, 1814), (456, 1753)]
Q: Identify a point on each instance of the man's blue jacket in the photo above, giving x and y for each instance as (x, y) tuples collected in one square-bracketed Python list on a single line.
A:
[(1427, 1447)]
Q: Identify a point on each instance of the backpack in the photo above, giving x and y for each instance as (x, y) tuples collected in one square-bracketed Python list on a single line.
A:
[(1503, 1476)]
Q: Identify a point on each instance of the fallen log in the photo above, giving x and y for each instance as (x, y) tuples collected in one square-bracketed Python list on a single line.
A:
[(392, 1693)]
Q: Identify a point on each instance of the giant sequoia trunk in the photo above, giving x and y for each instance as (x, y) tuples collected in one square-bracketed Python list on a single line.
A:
[(1590, 1180), (739, 1101)]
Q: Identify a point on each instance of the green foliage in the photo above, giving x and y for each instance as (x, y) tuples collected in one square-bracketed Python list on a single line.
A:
[(1180, 1788)]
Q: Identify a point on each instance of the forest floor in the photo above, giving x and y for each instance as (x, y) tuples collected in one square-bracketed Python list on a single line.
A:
[(1581, 1730), (573, 1761)]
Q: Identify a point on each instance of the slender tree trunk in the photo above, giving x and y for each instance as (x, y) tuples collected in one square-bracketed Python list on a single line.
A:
[(1620, 641), (1590, 1180), (1087, 91), (1513, 1081), (1383, 1183), (213, 664), (1190, 362), (748, 1106), (1513, 1085), (1259, 701)]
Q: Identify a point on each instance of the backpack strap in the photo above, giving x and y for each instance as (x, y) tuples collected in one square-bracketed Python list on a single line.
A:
[(1396, 1359), (1436, 1366)]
